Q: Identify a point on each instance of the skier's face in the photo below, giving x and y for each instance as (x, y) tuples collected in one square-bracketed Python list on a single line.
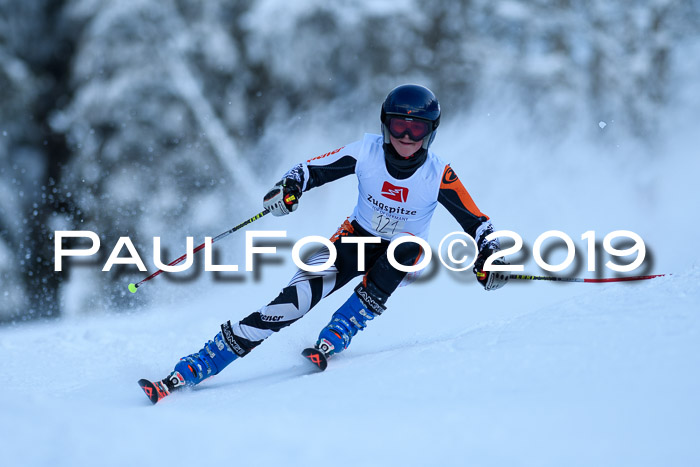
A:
[(405, 146)]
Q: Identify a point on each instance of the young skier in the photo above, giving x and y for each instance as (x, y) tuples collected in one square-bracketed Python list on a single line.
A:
[(400, 182)]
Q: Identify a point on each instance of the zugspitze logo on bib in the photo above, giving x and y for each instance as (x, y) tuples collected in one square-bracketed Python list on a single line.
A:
[(395, 193)]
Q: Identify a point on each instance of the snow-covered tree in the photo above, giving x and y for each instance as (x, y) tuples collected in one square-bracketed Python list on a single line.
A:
[(32, 58)]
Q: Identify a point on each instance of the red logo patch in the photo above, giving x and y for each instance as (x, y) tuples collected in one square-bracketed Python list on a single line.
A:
[(395, 193)]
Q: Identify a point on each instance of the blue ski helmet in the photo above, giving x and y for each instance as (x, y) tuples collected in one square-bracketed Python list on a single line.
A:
[(411, 101)]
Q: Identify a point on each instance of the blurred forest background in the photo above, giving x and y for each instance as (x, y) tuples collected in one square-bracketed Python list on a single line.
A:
[(125, 117)]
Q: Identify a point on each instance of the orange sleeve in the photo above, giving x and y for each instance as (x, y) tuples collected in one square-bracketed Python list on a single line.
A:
[(457, 199)]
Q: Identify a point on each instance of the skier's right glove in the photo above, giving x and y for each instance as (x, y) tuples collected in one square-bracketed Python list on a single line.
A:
[(283, 198), (491, 280)]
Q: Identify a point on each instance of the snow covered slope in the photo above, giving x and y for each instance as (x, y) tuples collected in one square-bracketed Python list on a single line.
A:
[(534, 374), (608, 376)]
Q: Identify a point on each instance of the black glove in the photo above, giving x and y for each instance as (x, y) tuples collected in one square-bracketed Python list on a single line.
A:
[(491, 280), (283, 198)]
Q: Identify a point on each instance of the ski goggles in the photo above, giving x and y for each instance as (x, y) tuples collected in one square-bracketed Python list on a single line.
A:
[(415, 129)]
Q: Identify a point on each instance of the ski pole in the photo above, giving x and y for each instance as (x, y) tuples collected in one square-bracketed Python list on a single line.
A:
[(578, 279), (133, 287)]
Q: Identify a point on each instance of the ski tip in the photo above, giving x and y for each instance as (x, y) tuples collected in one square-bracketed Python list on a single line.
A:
[(316, 357), (152, 392)]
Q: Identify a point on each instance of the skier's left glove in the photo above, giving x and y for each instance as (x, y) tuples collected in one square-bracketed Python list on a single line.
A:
[(283, 198), (491, 280)]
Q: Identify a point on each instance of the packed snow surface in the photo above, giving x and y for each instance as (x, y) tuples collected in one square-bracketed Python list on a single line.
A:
[(607, 376)]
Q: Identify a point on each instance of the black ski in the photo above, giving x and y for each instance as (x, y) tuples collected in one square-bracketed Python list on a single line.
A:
[(161, 389), (316, 357), (154, 391)]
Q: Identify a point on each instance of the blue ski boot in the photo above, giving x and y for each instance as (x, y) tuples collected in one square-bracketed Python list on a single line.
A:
[(209, 361), (363, 305), (192, 369)]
